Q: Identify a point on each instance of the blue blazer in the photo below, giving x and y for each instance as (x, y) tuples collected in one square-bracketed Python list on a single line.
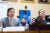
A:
[(5, 22)]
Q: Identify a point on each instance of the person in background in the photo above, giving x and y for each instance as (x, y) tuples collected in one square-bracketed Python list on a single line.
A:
[(32, 21), (38, 21), (41, 18), (23, 21), (10, 21), (31, 24)]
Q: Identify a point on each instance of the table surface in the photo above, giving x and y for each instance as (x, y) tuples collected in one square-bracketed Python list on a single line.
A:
[(40, 26), (31, 31)]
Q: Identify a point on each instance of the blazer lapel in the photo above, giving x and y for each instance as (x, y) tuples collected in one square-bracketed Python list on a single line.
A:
[(7, 21)]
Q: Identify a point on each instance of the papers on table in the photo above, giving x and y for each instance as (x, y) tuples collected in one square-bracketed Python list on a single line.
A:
[(48, 23), (8, 29), (0, 28)]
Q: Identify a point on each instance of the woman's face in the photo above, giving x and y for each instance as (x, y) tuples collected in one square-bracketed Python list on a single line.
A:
[(42, 13), (11, 13)]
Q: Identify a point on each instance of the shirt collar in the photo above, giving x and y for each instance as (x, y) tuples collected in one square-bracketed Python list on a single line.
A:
[(11, 18)]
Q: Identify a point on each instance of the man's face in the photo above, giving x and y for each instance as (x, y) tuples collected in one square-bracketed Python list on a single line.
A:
[(23, 20), (11, 13)]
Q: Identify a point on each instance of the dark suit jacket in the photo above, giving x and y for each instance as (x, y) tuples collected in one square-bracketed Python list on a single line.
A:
[(36, 25)]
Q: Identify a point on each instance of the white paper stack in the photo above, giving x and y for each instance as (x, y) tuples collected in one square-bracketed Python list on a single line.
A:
[(8, 29), (48, 23), (0, 28)]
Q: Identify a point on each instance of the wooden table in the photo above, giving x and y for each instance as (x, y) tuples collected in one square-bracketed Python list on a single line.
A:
[(46, 30), (40, 27), (31, 31)]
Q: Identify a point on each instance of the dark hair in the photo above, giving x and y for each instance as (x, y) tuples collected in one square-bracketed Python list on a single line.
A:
[(39, 13), (9, 10)]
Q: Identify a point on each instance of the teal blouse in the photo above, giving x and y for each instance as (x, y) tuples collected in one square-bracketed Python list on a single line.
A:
[(45, 22)]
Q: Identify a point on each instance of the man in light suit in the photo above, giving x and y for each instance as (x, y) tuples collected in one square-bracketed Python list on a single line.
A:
[(10, 21)]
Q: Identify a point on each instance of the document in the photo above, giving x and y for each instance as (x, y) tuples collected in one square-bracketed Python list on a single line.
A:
[(12, 29)]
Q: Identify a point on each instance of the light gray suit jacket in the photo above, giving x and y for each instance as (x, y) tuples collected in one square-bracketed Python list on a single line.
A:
[(5, 22)]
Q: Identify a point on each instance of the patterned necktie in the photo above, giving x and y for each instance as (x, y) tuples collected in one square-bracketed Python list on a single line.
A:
[(10, 21)]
